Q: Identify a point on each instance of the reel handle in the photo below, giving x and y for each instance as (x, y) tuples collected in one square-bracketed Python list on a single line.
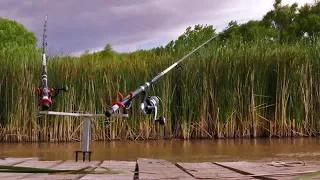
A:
[(58, 89), (150, 103), (161, 120), (65, 89)]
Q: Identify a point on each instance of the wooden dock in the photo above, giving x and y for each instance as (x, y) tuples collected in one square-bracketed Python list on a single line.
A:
[(147, 169)]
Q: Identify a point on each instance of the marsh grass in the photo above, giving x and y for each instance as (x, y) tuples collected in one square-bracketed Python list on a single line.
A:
[(232, 90)]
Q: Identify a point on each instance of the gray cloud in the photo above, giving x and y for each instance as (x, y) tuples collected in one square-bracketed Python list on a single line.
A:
[(77, 25)]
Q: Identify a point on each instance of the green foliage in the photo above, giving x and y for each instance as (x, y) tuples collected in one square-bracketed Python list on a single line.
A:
[(284, 23), (256, 30), (108, 52), (192, 38), (282, 18), (14, 34), (308, 21)]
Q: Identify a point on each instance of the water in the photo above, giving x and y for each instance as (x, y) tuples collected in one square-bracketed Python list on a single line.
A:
[(175, 150)]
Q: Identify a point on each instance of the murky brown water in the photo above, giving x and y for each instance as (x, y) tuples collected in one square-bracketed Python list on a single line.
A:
[(175, 150)]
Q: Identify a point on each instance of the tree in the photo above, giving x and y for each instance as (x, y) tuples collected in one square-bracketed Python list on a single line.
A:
[(309, 20), (282, 18), (230, 32), (192, 38), (108, 51), (15, 34), (253, 30)]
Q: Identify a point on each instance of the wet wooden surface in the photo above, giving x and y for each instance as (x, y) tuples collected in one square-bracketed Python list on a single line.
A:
[(272, 170), (160, 169), (115, 169), (148, 169), (73, 165), (13, 161), (38, 164), (208, 170)]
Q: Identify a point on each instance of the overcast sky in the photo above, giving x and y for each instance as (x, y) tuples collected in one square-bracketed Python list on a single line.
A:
[(78, 25)]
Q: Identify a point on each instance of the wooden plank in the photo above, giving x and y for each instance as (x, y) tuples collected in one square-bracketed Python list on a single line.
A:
[(13, 176), (208, 170), (52, 177), (107, 177), (287, 177), (160, 169), (125, 166), (21, 159), (12, 161), (263, 169), (73, 165), (113, 170), (38, 164)]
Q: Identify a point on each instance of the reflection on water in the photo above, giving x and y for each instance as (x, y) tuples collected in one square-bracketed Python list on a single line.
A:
[(175, 150)]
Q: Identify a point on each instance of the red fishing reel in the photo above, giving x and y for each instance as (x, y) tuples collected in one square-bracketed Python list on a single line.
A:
[(45, 101), (46, 96)]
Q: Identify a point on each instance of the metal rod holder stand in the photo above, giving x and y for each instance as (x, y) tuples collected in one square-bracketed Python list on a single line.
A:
[(83, 155), (85, 140)]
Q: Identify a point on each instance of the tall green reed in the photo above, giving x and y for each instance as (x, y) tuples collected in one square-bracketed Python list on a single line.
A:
[(236, 89)]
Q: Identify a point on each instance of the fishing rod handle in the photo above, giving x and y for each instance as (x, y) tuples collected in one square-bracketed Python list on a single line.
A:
[(111, 110), (125, 101)]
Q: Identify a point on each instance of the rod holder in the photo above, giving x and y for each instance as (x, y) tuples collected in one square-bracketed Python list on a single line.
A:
[(85, 140)]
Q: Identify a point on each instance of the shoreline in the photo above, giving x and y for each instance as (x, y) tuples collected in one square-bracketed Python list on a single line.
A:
[(170, 139)]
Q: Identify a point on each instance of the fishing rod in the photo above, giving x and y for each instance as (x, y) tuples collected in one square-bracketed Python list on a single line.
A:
[(148, 103), (46, 94)]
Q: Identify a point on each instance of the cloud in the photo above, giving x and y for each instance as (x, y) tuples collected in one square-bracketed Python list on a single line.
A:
[(78, 25)]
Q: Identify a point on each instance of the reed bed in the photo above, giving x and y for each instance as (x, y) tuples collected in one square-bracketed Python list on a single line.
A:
[(235, 90)]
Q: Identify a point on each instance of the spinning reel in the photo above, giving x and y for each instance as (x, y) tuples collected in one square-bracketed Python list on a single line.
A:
[(46, 95), (148, 104)]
